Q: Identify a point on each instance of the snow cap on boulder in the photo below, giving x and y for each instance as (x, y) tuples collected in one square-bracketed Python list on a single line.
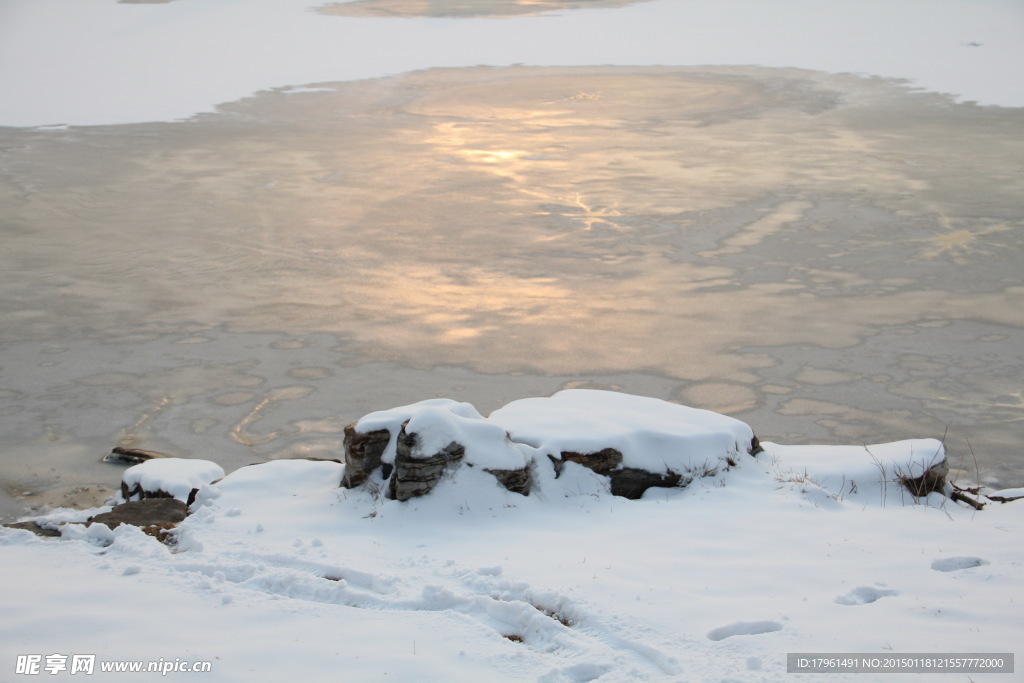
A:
[(168, 478), (650, 434), (439, 422)]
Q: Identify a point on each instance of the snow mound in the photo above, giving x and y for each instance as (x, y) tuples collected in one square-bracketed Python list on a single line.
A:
[(873, 473)]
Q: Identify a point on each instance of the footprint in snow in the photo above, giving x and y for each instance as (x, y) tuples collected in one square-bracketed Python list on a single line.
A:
[(862, 595), (577, 673), (954, 564), (743, 628)]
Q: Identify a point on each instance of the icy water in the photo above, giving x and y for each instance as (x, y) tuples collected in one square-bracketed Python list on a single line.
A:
[(831, 259)]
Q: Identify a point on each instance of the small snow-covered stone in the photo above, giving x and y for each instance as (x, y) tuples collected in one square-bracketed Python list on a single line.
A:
[(168, 478)]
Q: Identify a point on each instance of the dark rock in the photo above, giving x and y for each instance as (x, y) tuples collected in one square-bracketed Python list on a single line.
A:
[(415, 476), (755, 446), (119, 455), (162, 512), (516, 481), (137, 493), (362, 454), (932, 480), (412, 474), (34, 528), (1004, 499), (630, 482), (602, 462)]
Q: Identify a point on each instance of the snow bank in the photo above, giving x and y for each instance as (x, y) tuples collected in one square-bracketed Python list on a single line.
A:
[(472, 583), (869, 473), (274, 480), (790, 552)]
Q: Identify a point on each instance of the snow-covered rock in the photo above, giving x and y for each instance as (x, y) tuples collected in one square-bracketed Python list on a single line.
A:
[(637, 442), (168, 478), (426, 439)]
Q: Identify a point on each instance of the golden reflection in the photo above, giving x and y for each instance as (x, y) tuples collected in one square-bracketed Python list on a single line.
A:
[(960, 244), (591, 215), (510, 219), (489, 156), (462, 8)]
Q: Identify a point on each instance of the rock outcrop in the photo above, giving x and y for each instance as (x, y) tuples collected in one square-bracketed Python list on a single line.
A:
[(123, 455), (415, 474), (932, 480), (431, 439), (363, 451), (636, 442), (155, 516), (630, 482)]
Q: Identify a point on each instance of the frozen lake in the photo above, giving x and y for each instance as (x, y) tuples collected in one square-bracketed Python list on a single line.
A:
[(830, 258)]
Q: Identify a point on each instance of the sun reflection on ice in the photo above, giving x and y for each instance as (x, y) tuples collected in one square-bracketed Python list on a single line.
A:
[(961, 243), (592, 215)]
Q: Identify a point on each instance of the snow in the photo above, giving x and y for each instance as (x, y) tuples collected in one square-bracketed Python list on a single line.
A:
[(176, 476), (280, 572), (870, 471), (95, 62)]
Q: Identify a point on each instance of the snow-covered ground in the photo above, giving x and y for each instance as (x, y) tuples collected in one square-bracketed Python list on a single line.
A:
[(100, 62), (280, 573)]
